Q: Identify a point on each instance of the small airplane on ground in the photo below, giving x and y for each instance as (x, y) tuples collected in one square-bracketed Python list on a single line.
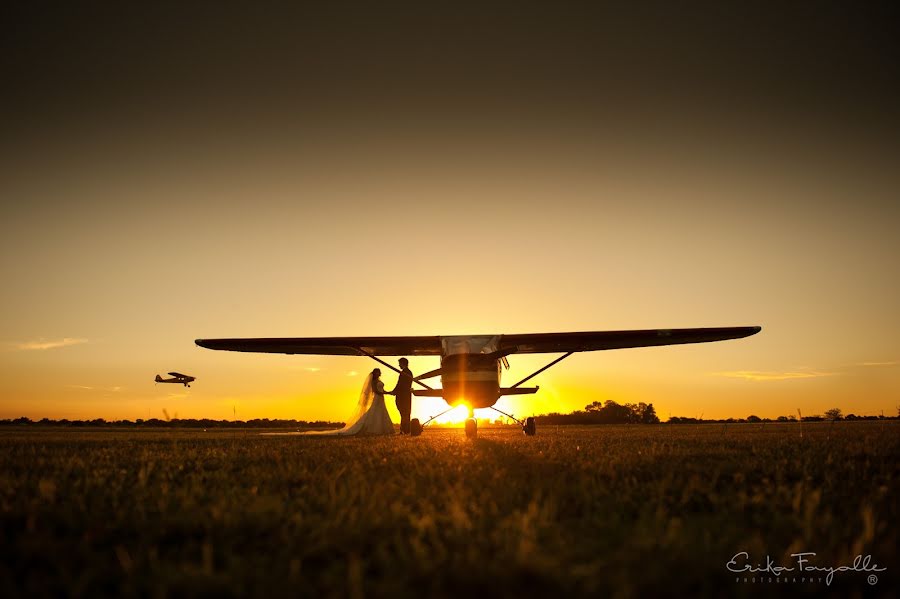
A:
[(178, 378), (471, 365)]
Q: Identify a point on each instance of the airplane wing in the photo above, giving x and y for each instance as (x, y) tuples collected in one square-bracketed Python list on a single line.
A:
[(540, 343), (331, 346), (178, 374), (431, 345)]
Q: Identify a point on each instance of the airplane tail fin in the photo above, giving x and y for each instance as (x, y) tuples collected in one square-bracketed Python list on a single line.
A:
[(158, 379)]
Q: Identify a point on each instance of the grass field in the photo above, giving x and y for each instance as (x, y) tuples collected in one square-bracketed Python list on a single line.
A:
[(614, 511)]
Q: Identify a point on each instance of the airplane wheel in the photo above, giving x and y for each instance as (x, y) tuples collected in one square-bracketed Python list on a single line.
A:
[(415, 427), (529, 427), (471, 428)]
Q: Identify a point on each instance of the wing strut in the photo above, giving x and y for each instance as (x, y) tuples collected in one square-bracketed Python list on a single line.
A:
[(382, 362), (537, 372), (510, 416), (450, 409)]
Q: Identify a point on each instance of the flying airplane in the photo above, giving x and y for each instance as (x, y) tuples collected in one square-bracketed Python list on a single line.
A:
[(471, 365), (179, 378)]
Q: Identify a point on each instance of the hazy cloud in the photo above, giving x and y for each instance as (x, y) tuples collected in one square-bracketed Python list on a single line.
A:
[(297, 368), (115, 389), (760, 375), (50, 343), (798, 372)]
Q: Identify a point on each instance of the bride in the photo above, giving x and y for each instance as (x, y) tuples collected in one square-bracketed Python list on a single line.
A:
[(371, 416)]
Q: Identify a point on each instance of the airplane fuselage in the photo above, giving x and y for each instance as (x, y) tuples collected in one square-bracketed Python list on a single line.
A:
[(183, 380), (470, 372), (472, 379)]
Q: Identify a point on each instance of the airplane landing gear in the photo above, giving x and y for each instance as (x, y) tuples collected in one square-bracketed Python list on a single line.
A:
[(471, 428), (416, 426), (529, 427), (471, 424)]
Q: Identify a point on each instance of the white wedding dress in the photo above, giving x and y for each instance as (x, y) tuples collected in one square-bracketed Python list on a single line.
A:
[(371, 416)]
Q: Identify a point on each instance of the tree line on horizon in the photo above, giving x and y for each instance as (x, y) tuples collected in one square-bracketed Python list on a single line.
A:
[(607, 412), (831, 415), (610, 412)]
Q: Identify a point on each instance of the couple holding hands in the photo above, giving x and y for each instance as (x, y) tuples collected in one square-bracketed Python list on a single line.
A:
[(371, 416)]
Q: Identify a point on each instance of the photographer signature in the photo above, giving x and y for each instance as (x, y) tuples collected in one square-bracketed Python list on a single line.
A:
[(739, 564)]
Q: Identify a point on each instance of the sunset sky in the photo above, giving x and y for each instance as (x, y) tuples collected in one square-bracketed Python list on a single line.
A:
[(173, 174)]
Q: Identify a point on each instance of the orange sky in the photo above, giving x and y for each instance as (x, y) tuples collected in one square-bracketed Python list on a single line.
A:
[(184, 194), (113, 285)]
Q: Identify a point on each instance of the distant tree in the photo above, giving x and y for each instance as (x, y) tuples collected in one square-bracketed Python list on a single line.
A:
[(648, 414), (783, 419), (833, 414), (752, 418), (607, 412), (614, 413)]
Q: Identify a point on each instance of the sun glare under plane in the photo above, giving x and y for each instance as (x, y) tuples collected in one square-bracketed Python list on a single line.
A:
[(471, 365)]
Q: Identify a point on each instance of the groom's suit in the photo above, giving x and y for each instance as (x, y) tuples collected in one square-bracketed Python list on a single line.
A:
[(403, 394)]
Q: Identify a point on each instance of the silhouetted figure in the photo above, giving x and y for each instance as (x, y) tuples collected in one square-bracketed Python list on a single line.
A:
[(371, 416), (402, 391)]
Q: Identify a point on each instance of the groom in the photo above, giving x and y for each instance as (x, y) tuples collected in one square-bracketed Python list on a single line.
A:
[(402, 391)]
